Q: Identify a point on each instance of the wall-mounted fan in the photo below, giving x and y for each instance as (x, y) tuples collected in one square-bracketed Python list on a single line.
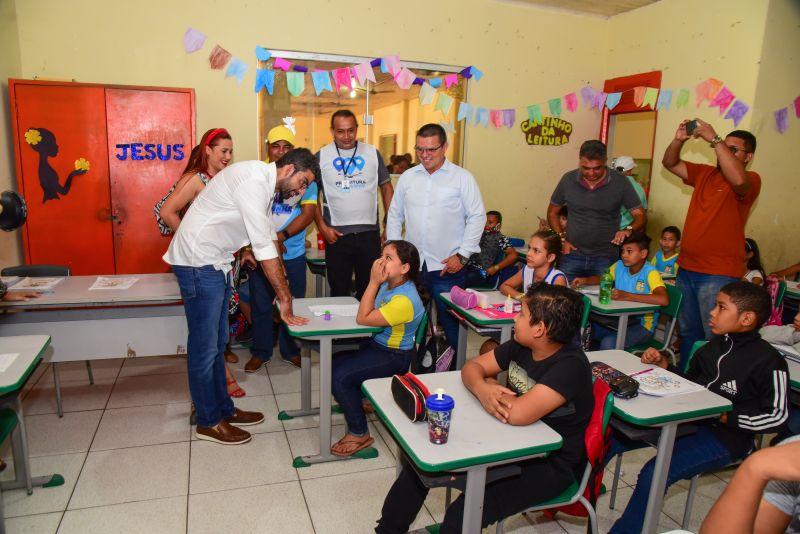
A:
[(13, 211)]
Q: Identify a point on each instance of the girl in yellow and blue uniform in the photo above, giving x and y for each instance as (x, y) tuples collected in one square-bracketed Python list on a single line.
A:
[(392, 301)]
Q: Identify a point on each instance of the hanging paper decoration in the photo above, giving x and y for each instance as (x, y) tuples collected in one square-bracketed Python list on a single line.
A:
[(450, 79), (464, 112), (443, 104), (782, 119), (193, 40), (638, 96), (599, 100), (737, 111), (476, 73), (723, 100), (571, 100), (448, 127), (364, 72), (262, 54), (555, 107), (587, 94), (797, 107), (664, 99), (322, 81), (534, 114), (289, 123), (295, 83), (391, 64), (707, 90), (508, 118), (496, 117), (612, 100), (341, 77), (404, 78), (282, 64), (650, 96), (218, 58), (482, 117), (683, 99), (426, 94), (435, 82), (265, 78), (236, 68)]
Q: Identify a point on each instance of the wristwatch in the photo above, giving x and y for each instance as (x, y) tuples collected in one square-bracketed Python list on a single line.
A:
[(715, 141), (462, 259), (629, 228)]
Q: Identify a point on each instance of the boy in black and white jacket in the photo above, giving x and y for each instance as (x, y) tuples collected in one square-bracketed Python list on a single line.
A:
[(738, 365)]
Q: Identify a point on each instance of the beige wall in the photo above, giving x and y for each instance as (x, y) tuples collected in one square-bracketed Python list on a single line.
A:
[(10, 249), (528, 55)]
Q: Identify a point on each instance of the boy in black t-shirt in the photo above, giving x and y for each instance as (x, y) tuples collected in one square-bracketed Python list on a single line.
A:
[(549, 380)]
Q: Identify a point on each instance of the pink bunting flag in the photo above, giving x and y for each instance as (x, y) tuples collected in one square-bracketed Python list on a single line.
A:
[(193, 40), (450, 79), (797, 107), (737, 111), (341, 77), (509, 116), (404, 78), (723, 100), (782, 119), (496, 117), (706, 90), (282, 64), (571, 100), (364, 72), (392, 64), (638, 96)]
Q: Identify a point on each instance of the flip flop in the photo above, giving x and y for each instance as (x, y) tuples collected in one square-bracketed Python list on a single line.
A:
[(344, 442)]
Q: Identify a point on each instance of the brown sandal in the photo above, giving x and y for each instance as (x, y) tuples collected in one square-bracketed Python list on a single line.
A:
[(347, 447)]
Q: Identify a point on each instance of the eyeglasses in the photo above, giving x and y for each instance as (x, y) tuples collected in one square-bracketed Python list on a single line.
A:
[(736, 149), (427, 150)]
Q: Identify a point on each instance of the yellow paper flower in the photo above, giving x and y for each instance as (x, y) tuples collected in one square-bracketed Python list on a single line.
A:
[(33, 137), (81, 164)]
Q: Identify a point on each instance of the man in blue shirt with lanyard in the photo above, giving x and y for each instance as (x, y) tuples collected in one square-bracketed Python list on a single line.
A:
[(352, 174), (442, 208)]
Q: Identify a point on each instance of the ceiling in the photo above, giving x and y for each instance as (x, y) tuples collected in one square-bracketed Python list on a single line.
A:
[(605, 8)]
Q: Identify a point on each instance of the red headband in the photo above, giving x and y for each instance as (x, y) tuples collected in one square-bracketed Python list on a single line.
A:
[(214, 134)]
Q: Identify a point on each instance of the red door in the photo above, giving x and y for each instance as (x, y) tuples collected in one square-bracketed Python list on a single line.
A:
[(150, 137), (62, 171)]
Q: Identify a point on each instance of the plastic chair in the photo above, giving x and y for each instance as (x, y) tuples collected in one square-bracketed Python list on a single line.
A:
[(671, 310), (574, 493), (781, 294), (48, 270)]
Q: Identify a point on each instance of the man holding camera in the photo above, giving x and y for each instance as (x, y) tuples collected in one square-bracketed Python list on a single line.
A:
[(712, 248)]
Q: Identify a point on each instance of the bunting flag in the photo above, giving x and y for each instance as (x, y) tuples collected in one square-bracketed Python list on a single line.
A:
[(650, 96), (723, 100), (683, 99), (638, 96), (435, 82), (448, 127), (295, 83), (193, 40), (218, 58), (737, 111), (443, 104), (599, 100), (509, 116), (587, 94), (391, 64), (322, 81), (262, 54), (450, 79), (341, 77), (282, 64), (534, 114), (706, 90), (404, 78), (782, 119), (236, 68), (496, 117), (482, 117), (571, 100), (426, 94), (612, 100), (364, 72), (265, 78), (464, 112), (797, 107), (476, 73), (555, 107), (664, 99)]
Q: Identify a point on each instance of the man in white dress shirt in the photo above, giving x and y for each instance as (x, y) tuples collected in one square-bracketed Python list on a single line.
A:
[(442, 208), (231, 212)]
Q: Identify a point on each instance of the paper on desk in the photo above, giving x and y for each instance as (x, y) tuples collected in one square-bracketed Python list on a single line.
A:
[(787, 351), (6, 359), (108, 282), (9, 280), (338, 310), (661, 383), (590, 290), (42, 284)]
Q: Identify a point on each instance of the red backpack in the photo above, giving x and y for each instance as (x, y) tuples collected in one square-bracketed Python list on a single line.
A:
[(597, 445)]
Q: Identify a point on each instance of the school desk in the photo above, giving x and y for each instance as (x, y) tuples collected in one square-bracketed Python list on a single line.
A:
[(622, 309), (145, 320), (665, 413), (477, 440), (315, 260), (318, 329)]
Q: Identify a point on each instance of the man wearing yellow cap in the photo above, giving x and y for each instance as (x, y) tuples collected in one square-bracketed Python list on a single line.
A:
[(289, 217)]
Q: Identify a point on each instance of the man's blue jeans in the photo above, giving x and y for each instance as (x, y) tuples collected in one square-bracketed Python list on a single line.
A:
[(262, 295), (350, 369), (205, 292), (436, 284), (693, 454), (699, 298), (576, 264)]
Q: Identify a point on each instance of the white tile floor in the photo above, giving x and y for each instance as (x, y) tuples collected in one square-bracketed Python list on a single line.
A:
[(131, 463)]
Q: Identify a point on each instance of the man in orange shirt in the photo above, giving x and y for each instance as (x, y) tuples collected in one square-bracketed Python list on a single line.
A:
[(712, 249)]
